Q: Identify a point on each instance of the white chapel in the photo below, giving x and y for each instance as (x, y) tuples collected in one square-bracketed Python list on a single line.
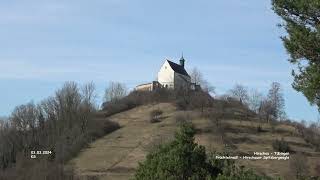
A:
[(171, 75)]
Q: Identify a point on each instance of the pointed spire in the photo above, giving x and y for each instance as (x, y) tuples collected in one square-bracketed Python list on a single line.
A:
[(182, 56), (182, 61)]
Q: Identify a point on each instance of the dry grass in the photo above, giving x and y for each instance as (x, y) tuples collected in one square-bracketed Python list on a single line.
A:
[(247, 140), (116, 156)]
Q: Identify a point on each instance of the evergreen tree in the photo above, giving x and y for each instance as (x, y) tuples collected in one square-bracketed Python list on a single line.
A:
[(302, 23), (183, 159), (180, 159)]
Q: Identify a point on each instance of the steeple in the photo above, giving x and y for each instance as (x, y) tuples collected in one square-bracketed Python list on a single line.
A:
[(182, 61)]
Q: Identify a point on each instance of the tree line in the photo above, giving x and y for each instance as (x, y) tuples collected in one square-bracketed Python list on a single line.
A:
[(63, 124), (269, 107)]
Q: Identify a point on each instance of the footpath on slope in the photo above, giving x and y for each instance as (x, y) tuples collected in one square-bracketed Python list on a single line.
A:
[(116, 155)]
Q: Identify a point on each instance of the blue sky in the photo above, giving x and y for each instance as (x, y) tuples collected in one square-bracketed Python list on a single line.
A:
[(45, 43)]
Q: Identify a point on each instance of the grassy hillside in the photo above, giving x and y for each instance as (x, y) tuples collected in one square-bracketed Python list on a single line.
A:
[(243, 139), (110, 143), (116, 155)]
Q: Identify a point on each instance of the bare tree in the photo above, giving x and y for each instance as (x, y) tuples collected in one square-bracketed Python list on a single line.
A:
[(198, 79), (300, 127), (24, 117), (115, 91), (201, 100), (275, 97), (255, 99), (88, 105), (89, 95), (68, 101), (62, 124), (266, 110), (24, 121), (196, 76), (3, 121), (207, 87), (240, 92)]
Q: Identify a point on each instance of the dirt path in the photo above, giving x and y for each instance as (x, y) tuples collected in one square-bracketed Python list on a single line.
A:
[(116, 155)]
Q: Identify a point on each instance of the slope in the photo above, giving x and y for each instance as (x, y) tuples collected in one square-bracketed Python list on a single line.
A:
[(116, 155)]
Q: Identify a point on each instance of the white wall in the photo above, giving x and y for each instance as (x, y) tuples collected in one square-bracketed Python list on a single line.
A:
[(166, 75), (144, 87)]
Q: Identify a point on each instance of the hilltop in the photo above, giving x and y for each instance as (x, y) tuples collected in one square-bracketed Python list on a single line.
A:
[(109, 143)]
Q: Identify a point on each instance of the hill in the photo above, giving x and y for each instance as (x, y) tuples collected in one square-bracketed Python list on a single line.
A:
[(116, 155)]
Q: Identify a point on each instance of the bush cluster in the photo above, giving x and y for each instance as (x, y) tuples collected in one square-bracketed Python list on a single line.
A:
[(281, 145), (184, 159), (137, 98), (310, 134), (155, 116), (191, 100), (184, 100), (259, 129)]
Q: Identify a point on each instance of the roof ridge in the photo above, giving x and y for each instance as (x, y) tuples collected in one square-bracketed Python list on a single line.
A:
[(172, 62), (178, 68)]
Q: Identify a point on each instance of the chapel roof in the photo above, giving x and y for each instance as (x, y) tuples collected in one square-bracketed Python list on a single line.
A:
[(178, 68)]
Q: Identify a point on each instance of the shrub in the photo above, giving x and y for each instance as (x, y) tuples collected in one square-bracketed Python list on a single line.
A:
[(98, 128), (112, 108), (155, 116), (184, 159), (200, 100), (259, 129), (309, 134), (42, 169), (191, 100), (184, 100), (182, 104), (180, 159), (110, 126), (241, 173), (137, 98), (281, 146)]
